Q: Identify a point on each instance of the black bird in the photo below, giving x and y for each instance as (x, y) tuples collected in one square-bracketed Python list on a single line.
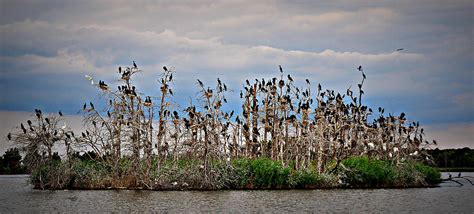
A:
[(307, 81), (175, 113), (134, 64), (400, 49), (23, 128), (171, 77), (120, 70), (450, 176), (319, 87), (200, 83), (281, 69), (171, 92), (247, 81), (60, 113), (83, 135), (289, 78), (47, 120), (29, 122), (92, 105), (84, 107), (459, 175), (164, 68), (9, 136), (359, 68)]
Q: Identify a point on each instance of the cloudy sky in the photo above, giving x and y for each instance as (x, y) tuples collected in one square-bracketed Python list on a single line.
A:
[(47, 47)]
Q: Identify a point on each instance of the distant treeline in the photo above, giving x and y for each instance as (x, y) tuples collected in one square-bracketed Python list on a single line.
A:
[(453, 158), (10, 163)]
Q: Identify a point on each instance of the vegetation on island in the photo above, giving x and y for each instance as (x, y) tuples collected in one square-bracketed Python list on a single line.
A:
[(285, 136)]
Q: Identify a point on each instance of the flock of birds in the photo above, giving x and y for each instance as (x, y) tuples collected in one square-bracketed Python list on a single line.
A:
[(279, 120)]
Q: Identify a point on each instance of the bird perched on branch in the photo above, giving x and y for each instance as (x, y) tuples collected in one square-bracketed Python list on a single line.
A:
[(359, 68), (148, 102), (134, 64), (103, 86), (165, 68)]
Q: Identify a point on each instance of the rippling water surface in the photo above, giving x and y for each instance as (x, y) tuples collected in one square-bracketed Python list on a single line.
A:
[(17, 196)]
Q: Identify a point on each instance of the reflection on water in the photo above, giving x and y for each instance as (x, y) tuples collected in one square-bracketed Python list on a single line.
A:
[(17, 196)]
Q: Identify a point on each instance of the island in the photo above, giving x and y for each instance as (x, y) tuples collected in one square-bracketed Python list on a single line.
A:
[(283, 134)]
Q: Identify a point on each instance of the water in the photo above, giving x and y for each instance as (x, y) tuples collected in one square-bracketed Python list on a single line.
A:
[(17, 196)]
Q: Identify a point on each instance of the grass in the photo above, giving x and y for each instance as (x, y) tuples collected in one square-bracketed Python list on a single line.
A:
[(364, 172), (243, 173)]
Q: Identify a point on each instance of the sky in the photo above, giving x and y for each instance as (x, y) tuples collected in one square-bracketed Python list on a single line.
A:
[(46, 48)]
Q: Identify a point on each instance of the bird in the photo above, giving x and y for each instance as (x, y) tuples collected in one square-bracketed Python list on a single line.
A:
[(289, 78), (9, 136), (47, 120), (23, 128), (134, 64), (92, 105), (400, 49), (459, 175), (281, 69), (60, 113), (359, 68), (307, 81), (200, 83), (120, 70), (29, 122), (171, 92), (148, 102), (103, 86), (84, 106), (450, 176), (164, 68)]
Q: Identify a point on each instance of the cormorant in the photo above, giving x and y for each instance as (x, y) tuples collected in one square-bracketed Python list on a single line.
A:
[(134, 64), (60, 113)]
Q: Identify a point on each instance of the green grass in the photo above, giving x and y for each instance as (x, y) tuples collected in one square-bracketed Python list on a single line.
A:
[(363, 172)]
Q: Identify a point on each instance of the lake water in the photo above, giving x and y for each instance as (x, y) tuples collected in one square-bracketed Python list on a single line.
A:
[(17, 196)]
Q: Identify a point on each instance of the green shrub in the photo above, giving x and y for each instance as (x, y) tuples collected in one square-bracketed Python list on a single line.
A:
[(431, 175), (369, 173)]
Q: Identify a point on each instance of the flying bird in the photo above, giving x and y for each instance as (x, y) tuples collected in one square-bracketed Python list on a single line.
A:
[(400, 49)]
